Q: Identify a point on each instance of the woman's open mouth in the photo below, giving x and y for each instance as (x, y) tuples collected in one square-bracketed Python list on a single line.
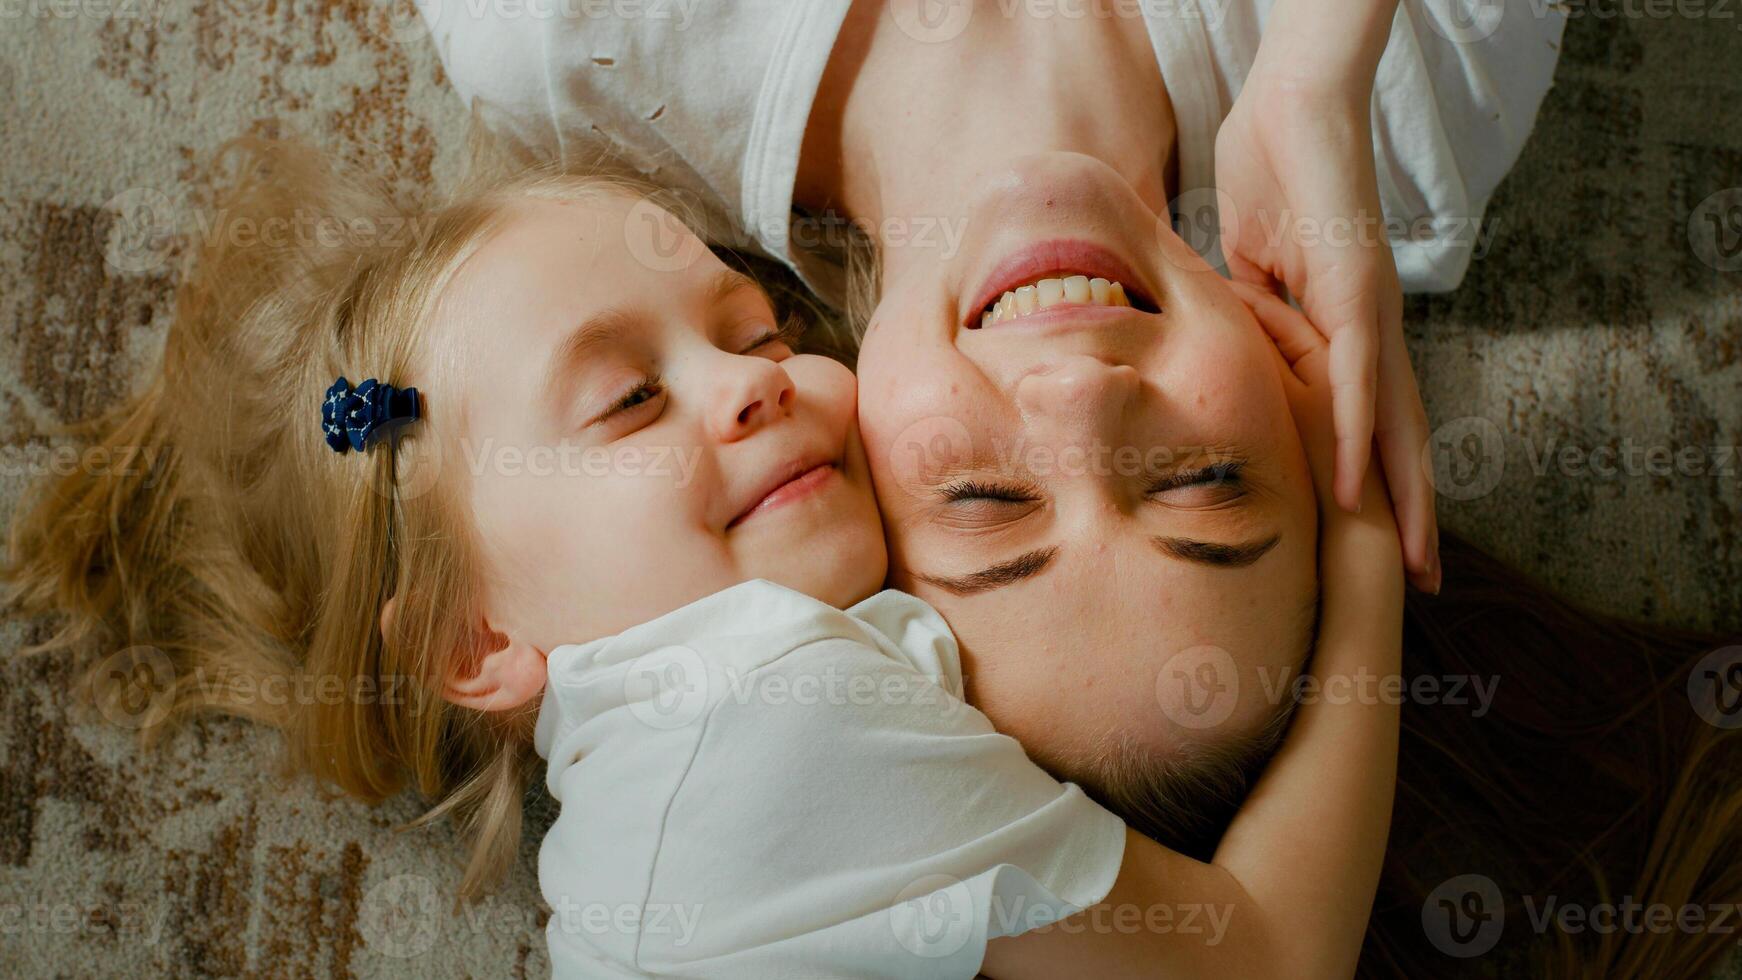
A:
[(1044, 294), (1059, 274)]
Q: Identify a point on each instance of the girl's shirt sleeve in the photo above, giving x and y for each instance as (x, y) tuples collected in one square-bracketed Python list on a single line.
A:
[(759, 785)]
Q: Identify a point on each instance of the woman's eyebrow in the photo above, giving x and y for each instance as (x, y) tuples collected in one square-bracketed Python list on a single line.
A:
[(995, 576), (1214, 553), (1032, 563)]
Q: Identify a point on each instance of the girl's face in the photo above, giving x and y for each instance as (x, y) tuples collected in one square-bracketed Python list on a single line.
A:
[(1109, 504), (636, 430)]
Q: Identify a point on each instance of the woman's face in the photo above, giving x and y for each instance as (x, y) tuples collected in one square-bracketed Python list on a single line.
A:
[(1109, 504)]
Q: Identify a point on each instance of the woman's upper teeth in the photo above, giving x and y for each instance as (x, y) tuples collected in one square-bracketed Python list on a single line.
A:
[(1038, 296)]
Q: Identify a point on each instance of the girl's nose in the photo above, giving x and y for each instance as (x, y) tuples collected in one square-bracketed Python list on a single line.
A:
[(751, 393)]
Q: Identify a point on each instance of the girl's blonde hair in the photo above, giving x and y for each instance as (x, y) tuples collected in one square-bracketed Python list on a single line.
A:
[(242, 555)]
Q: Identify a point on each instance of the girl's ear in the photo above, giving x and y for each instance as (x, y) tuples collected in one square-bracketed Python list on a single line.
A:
[(508, 672)]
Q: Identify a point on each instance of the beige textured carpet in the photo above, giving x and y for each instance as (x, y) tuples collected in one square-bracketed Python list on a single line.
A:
[(1606, 314)]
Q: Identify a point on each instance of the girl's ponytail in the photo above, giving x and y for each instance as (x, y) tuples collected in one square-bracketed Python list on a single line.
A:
[(123, 549), (225, 558)]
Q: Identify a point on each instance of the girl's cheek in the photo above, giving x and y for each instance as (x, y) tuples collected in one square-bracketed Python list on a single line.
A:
[(829, 380)]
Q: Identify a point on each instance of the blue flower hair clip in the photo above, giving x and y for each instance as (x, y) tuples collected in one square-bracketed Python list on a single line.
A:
[(352, 418)]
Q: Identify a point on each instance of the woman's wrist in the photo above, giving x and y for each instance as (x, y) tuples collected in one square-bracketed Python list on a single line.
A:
[(1324, 52)]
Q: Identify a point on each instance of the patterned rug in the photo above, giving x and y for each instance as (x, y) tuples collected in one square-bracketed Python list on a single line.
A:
[(1598, 335)]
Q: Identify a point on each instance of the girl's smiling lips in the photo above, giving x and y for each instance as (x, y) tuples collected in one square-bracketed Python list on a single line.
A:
[(794, 483)]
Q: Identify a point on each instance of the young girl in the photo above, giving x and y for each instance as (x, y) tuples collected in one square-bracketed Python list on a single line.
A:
[(581, 461)]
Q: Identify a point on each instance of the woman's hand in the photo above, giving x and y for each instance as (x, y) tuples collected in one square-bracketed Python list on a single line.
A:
[(1295, 157), (1311, 396)]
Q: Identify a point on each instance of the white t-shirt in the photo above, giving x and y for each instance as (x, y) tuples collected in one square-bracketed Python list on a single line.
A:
[(760, 785), (712, 98)]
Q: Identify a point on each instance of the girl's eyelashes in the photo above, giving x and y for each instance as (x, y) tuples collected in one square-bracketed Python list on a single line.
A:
[(787, 333), (770, 336), (767, 341), (646, 391)]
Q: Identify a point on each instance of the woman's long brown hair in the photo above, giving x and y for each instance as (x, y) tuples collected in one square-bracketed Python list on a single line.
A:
[(1592, 779)]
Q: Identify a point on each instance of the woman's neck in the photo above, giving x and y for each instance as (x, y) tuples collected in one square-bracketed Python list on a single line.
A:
[(906, 121)]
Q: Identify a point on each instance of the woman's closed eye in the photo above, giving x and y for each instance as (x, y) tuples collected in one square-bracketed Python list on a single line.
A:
[(1208, 486), (974, 503), (963, 490), (981, 503)]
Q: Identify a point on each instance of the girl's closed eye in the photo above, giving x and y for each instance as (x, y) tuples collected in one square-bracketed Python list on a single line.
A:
[(767, 339), (639, 403)]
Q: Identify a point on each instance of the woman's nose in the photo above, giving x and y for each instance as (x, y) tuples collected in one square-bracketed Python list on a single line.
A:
[(751, 392), (1078, 390)]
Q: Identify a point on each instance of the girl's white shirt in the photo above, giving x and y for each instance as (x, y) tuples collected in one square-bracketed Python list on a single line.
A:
[(711, 99), (760, 785)]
